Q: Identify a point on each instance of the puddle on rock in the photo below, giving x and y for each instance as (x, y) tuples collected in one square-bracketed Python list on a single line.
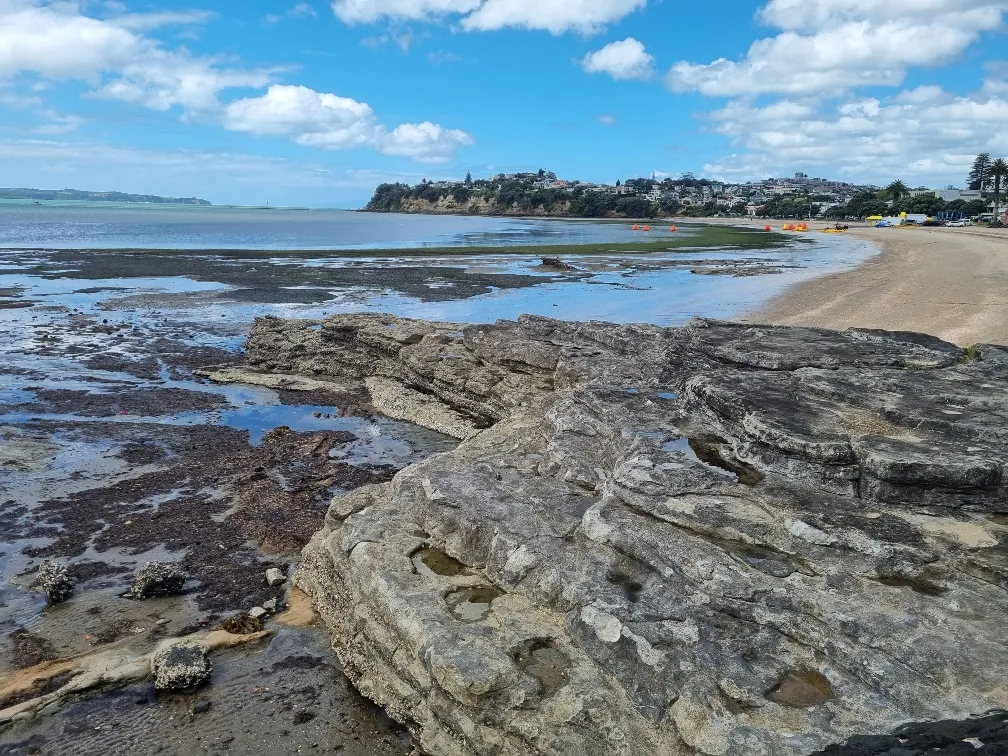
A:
[(705, 449), (801, 690), (432, 562), (473, 604), (546, 663)]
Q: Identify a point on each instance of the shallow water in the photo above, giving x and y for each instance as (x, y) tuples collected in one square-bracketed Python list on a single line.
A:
[(111, 226)]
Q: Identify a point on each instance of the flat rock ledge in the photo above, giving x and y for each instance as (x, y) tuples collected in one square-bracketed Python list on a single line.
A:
[(715, 539)]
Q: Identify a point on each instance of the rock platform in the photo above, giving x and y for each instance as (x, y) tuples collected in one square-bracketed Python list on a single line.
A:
[(714, 539)]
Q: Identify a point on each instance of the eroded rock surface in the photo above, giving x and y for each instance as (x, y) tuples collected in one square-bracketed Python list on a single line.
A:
[(718, 539)]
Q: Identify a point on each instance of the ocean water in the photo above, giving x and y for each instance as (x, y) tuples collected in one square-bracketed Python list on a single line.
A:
[(80, 225)]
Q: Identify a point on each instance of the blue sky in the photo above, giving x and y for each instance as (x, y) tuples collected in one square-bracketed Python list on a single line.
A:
[(314, 103)]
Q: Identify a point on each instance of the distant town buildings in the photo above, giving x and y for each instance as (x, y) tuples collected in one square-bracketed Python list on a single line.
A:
[(819, 194)]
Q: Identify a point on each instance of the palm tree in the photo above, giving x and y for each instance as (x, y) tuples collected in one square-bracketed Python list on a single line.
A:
[(897, 190), (998, 170)]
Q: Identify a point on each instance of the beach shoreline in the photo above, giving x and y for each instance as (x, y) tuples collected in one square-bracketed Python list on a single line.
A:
[(947, 282)]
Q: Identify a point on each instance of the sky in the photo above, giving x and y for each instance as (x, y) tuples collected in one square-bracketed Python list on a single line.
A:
[(315, 103)]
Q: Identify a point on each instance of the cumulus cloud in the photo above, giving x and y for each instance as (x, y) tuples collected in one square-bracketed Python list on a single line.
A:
[(424, 142), (585, 16), (829, 46), (58, 42), (325, 120), (113, 55), (924, 134), (814, 14), (621, 60)]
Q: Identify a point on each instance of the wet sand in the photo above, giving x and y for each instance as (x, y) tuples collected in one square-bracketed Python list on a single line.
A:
[(948, 282)]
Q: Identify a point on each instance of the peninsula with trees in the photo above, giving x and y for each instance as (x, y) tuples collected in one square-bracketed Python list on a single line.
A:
[(76, 195), (544, 194)]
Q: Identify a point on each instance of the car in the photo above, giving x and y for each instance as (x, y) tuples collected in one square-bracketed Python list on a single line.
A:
[(961, 223)]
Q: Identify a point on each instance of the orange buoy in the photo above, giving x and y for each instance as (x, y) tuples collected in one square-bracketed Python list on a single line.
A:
[(673, 229), (635, 227), (647, 228), (766, 227)]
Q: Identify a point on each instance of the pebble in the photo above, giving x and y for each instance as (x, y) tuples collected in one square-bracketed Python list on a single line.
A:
[(257, 612), (275, 577)]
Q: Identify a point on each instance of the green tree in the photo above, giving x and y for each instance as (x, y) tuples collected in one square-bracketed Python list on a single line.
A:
[(897, 190), (998, 170), (468, 179), (974, 208), (928, 204), (980, 171)]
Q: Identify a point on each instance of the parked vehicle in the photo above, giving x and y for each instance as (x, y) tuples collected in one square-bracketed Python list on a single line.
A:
[(961, 223)]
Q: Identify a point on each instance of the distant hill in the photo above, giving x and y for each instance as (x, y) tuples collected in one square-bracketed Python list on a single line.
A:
[(75, 194)]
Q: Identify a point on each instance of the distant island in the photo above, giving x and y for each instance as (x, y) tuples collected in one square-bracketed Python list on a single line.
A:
[(801, 196), (40, 195)]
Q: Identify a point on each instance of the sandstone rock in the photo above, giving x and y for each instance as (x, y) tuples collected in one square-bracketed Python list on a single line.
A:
[(275, 576), (157, 579), (55, 581), (181, 666), (717, 539)]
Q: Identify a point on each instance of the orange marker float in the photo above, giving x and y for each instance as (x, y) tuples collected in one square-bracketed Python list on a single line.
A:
[(647, 228), (673, 229), (766, 227), (635, 227)]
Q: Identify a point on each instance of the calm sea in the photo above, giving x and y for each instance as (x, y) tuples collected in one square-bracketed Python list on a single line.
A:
[(114, 226)]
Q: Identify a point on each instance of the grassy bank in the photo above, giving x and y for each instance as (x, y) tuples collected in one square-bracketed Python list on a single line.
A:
[(699, 237)]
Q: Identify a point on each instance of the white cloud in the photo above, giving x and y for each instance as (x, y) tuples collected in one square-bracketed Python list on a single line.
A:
[(621, 60), (299, 11), (368, 11), (861, 43), (424, 142), (923, 135), (58, 42), (607, 120), (59, 124), (556, 16), (324, 120), (812, 15), (307, 116), (144, 21), (585, 16), (165, 79)]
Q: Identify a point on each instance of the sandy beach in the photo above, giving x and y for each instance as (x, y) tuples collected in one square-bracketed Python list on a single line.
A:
[(948, 282)]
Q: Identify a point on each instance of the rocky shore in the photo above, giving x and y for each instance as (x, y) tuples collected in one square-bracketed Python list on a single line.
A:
[(716, 539)]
